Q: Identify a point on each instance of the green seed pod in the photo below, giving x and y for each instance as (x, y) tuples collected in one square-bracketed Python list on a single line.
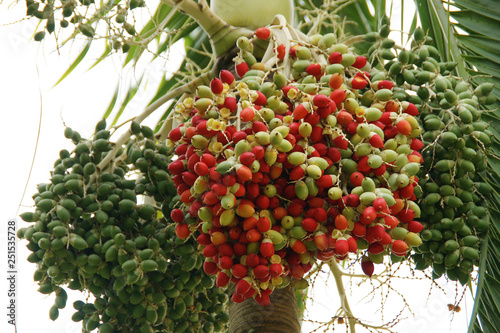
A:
[(451, 259)]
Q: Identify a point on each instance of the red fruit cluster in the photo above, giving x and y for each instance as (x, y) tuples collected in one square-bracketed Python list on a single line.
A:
[(269, 190)]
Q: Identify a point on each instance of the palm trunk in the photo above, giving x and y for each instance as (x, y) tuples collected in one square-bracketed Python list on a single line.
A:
[(281, 316)]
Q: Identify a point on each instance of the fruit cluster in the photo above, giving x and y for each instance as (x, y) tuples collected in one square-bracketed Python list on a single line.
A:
[(92, 233), (277, 173)]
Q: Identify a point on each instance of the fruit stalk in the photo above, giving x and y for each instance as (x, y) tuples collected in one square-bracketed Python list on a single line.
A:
[(222, 35), (337, 274)]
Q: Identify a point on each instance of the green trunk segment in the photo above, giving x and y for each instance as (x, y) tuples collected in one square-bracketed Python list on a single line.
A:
[(281, 316), (222, 35)]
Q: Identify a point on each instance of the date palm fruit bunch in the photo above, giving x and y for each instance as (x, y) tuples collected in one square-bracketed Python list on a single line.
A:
[(306, 156), (104, 229)]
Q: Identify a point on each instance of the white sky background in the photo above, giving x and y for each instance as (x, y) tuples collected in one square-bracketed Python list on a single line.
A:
[(28, 70)]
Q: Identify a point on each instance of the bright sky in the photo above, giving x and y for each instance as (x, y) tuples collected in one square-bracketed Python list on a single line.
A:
[(28, 72)]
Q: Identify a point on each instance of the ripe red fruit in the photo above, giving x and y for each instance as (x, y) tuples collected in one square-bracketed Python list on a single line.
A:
[(399, 247), (252, 260), (406, 215), (216, 86), (210, 267), (266, 248), (261, 271), (338, 96), (275, 270), (376, 141), (359, 230), (360, 62), (298, 246), (182, 231), (344, 118), (242, 286), (309, 224), (313, 69), (177, 215), (375, 248), (367, 266), (358, 82), (385, 84), (368, 216), (262, 299), (356, 178), (379, 204), (341, 247), (239, 271), (226, 76), (263, 33), (335, 58), (222, 280), (411, 109), (341, 222), (241, 69), (415, 226), (404, 127), (281, 50), (300, 112), (340, 142), (321, 240)]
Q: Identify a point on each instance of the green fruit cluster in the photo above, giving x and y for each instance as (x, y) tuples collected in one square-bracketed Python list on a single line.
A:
[(106, 230), (453, 195)]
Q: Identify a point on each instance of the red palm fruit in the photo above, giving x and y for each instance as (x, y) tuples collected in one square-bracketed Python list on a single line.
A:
[(210, 267), (376, 141), (182, 231), (240, 249), (392, 106), (300, 112), (385, 119), (225, 263), (210, 251), (252, 260), (241, 68), (222, 279), (404, 127), (369, 215), (298, 246), (340, 142), (281, 51), (210, 198), (237, 298), (406, 215), (316, 202), (410, 109), (397, 207), (203, 239), (390, 132), (259, 126), (309, 224), (234, 233), (275, 270), (341, 222), (341, 247), (360, 62), (176, 167), (416, 144), (243, 286), (226, 76), (416, 157), (377, 231), (415, 226), (334, 154), (226, 250), (266, 248), (316, 134), (385, 84), (406, 192), (177, 215), (189, 177), (375, 248), (356, 178), (359, 230), (321, 100), (297, 271), (320, 214), (259, 152), (208, 159), (379, 204), (201, 169), (275, 171), (250, 223), (321, 240), (263, 33), (262, 202), (380, 170), (399, 247), (261, 99), (231, 104), (229, 180), (247, 114), (335, 58), (243, 173), (239, 271), (186, 197), (344, 117), (181, 149), (261, 271), (216, 86), (297, 173), (335, 81), (358, 82), (257, 177), (313, 69), (363, 165), (263, 224), (391, 221), (238, 136), (351, 128), (338, 96), (217, 238), (325, 181), (274, 202), (353, 245), (245, 209), (279, 213), (367, 266), (352, 200), (321, 113), (247, 158), (219, 189), (175, 134), (295, 209), (253, 190)]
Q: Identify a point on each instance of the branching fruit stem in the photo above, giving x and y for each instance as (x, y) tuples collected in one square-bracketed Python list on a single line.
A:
[(337, 274)]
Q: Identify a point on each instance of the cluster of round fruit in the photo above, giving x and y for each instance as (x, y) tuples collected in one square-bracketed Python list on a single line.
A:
[(456, 141), (66, 12), (277, 173), (92, 233)]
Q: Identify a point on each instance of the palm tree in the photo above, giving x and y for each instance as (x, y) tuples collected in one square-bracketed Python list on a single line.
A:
[(463, 31)]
